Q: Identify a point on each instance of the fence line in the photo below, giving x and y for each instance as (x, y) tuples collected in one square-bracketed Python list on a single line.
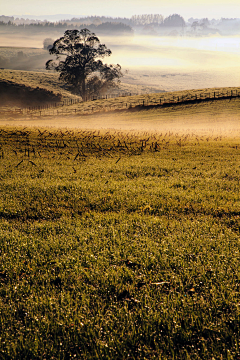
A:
[(68, 102), (57, 108)]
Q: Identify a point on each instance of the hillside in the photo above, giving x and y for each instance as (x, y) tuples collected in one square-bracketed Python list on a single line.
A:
[(23, 58), (127, 112), (14, 94), (33, 79), (50, 82), (221, 117)]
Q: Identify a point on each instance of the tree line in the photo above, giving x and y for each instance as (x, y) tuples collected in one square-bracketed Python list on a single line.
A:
[(174, 20), (101, 23), (101, 28)]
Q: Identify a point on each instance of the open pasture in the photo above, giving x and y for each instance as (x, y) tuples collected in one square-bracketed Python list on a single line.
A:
[(119, 244), (217, 117), (50, 81), (34, 79)]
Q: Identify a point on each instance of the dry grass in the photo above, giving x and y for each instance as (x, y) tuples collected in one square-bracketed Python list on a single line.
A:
[(34, 79), (210, 118), (149, 99), (101, 113), (50, 81)]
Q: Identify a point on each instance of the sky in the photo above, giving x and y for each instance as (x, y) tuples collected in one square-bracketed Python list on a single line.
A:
[(124, 8)]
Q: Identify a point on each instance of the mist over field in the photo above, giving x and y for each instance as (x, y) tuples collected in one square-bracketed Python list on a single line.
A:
[(120, 211), (180, 63), (164, 63)]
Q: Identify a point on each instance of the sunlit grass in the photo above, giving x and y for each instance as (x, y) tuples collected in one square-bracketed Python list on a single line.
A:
[(50, 82), (34, 79), (119, 245)]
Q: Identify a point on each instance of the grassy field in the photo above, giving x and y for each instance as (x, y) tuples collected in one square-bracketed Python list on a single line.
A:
[(154, 99), (119, 245), (50, 81), (206, 118), (10, 51), (23, 58), (34, 79)]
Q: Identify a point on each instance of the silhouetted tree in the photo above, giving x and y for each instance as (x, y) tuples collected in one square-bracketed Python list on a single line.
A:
[(81, 65)]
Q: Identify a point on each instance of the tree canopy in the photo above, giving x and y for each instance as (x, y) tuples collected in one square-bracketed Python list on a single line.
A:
[(78, 60)]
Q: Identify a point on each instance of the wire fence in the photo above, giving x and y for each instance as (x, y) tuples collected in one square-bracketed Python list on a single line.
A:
[(77, 106), (67, 102)]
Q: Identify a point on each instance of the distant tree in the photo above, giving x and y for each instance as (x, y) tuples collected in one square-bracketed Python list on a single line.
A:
[(111, 27), (194, 25), (81, 65), (174, 20), (205, 21), (147, 19), (48, 43)]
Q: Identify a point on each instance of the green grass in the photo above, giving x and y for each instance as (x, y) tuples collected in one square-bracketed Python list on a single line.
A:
[(117, 245)]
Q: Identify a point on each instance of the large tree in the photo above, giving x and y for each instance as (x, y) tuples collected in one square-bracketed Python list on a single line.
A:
[(78, 60)]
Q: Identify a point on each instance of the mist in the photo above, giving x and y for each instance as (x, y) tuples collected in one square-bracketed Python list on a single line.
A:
[(163, 63), (207, 121), (178, 63)]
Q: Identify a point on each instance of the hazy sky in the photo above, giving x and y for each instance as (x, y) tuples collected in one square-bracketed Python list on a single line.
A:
[(186, 8)]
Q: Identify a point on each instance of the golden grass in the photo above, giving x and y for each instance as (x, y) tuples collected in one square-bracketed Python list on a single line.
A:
[(124, 102), (220, 115), (34, 79), (50, 81), (212, 118)]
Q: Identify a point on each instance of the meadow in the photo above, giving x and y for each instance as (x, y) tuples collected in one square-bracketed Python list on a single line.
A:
[(119, 230), (68, 107), (119, 244), (44, 80)]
